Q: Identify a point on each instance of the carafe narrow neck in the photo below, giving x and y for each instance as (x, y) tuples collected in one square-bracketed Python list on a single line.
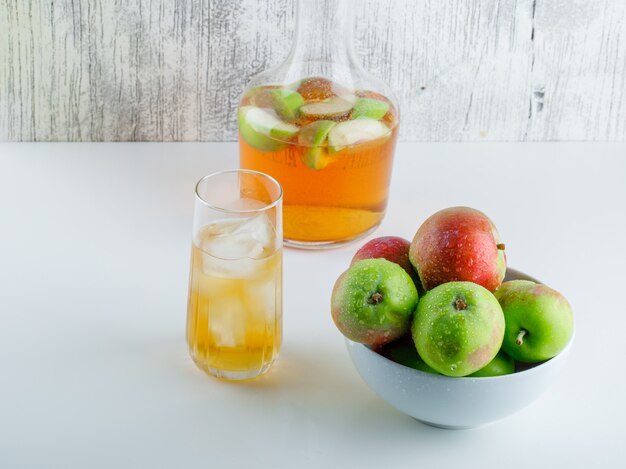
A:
[(324, 30)]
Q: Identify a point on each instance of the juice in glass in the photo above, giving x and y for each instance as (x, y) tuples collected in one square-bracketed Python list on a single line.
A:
[(234, 316)]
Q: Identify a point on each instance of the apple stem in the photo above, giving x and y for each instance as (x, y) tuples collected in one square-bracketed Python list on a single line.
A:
[(460, 305), (520, 337), (375, 298), (501, 246)]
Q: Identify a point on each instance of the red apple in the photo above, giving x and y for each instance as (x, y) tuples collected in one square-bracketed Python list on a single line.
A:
[(458, 244), (392, 248)]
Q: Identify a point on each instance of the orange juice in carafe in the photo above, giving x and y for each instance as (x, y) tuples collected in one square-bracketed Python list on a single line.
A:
[(330, 147)]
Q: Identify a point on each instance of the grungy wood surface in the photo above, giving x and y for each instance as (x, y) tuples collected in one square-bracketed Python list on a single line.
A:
[(467, 70)]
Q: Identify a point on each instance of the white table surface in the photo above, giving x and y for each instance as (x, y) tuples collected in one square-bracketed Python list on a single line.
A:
[(94, 252)]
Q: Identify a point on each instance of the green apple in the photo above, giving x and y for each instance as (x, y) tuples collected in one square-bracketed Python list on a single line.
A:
[(370, 108), (351, 132), (458, 328), (263, 130), (403, 351), (539, 320), (373, 302), (314, 136), (287, 103), (502, 364)]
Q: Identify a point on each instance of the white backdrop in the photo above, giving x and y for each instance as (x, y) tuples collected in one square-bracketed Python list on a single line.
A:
[(174, 69)]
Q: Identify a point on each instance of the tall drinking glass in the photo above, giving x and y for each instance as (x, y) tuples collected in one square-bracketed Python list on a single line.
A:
[(234, 314)]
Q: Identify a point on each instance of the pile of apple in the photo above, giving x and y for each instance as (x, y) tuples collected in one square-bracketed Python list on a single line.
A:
[(439, 304)]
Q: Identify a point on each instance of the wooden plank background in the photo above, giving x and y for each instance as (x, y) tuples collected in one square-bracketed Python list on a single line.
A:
[(463, 70)]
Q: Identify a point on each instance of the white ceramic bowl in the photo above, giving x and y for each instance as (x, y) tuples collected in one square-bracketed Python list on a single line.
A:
[(455, 403)]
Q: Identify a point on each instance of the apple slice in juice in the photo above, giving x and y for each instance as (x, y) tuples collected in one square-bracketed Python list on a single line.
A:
[(370, 108), (263, 130), (332, 109), (356, 131), (316, 89), (314, 135)]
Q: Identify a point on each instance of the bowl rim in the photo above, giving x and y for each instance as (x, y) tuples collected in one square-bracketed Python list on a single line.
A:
[(540, 365)]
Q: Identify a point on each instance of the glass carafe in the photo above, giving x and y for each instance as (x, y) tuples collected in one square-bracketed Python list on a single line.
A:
[(324, 128)]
